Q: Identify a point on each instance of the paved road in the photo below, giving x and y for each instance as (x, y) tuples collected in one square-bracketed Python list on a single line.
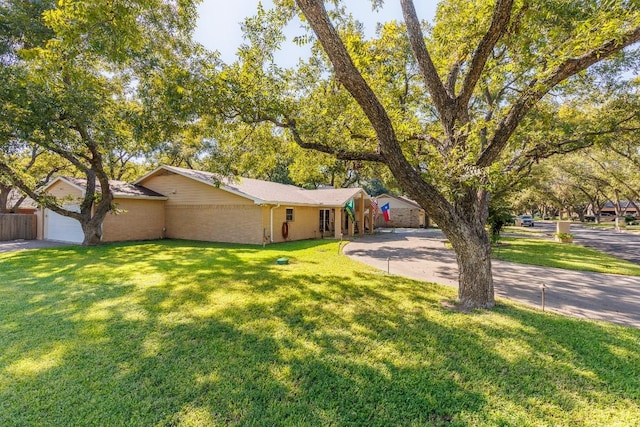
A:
[(623, 245), (420, 254)]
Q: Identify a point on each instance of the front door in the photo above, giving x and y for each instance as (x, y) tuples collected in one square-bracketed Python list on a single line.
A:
[(325, 221)]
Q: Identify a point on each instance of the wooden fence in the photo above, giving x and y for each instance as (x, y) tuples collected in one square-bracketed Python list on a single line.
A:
[(17, 226)]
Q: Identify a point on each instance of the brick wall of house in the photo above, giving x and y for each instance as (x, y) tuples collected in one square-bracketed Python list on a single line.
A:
[(402, 217), (305, 224), (197, 211), (185, 191), (138, 220), (215, 223), (63, 190)]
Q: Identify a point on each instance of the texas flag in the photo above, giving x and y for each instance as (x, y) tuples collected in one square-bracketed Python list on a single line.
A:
[(385, 211)]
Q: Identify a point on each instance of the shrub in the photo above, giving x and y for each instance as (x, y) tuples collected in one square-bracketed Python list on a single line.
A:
[(563, 237), (499, 216)]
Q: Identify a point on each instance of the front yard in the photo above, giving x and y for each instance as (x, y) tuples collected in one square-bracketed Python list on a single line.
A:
[(179, 333)]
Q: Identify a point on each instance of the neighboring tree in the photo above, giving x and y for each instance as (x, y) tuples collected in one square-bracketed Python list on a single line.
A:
[(95, 88), (32, 161), (20, 28), (599, 126), (448, 141)]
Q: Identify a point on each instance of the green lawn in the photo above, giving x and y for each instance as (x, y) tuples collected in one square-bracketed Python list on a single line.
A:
[(178, 333), (570, 256), (522, 230)]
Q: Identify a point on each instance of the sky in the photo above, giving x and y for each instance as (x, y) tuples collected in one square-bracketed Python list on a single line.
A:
[(219, 23)]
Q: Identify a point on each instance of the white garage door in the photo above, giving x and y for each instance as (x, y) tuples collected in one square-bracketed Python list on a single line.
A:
[(62, 228)]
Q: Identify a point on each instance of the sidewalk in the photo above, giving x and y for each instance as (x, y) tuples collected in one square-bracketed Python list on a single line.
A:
[(16, 245), (421, 255)]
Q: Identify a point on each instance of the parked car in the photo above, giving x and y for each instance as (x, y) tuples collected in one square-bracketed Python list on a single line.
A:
[(526, 220)]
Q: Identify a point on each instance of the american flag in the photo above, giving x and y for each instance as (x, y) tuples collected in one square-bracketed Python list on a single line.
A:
[(374, 208)]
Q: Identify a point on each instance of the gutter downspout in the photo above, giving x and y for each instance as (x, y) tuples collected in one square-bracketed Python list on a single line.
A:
[(271, 221)]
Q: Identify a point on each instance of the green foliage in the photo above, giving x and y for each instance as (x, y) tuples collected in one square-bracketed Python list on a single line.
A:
[(564, 237), (200, 334), (325, 113), (375, 187), (95, 85), (499, 216)]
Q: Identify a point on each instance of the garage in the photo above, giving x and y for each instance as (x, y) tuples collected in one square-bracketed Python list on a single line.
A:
[(62, 228)]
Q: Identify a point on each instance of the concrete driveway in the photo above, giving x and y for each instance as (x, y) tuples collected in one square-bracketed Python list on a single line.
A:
[(16, 245), (420, 254)]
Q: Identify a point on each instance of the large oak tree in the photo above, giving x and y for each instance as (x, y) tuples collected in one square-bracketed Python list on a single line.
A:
[(93, 83), (440, 105)]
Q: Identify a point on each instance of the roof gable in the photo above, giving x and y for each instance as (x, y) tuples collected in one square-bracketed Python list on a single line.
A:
[(401, 199)]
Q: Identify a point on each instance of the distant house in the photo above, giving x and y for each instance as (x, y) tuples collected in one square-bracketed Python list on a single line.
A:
[(628, 208), (182, 203), (403, 212), (27, 206)]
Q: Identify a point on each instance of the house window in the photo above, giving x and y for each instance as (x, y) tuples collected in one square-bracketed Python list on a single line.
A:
[(289, 214), (325, 222)]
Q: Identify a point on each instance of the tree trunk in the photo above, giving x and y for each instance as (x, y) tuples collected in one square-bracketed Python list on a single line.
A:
[(92, 232), (4, 198), (473, 254)]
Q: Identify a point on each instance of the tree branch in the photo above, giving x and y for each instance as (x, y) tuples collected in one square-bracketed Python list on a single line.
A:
[(340, 154), (96, 171), (390, 150), (439, 95), (537, 89), (452, 79), (32, 160), (499, 25), (348, 74), (44, 200), (565, 146)]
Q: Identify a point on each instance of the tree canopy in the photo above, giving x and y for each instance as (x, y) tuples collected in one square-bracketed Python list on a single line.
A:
[(94, 83)]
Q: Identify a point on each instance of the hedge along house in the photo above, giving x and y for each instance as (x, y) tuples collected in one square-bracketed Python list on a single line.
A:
[(139, 215), (403, 212), (205, 206)]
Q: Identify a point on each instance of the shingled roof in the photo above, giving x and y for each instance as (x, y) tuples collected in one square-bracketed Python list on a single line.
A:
[(119, 189), (265, 192), (15, 195), (402, 199)]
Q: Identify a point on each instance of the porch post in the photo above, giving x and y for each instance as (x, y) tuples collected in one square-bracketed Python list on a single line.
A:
[(352, 226), (337, 223), (361, 219)]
